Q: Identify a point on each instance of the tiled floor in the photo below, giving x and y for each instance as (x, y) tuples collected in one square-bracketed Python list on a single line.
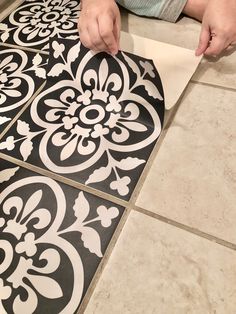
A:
[(100, 229)]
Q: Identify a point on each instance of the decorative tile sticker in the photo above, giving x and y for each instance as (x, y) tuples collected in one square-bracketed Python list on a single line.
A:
[(21, 74), (34, 22), (96, 121), (52, 238)]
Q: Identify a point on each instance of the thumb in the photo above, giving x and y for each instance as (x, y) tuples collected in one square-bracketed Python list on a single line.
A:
[(203, 40)]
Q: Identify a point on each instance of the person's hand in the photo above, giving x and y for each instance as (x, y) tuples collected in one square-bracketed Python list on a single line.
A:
[(218, 28), (99, 25)]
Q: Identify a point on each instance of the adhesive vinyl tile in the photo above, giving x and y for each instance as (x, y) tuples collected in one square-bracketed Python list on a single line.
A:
[(32, 23), (52, 239), (21, 74), (96, 121)]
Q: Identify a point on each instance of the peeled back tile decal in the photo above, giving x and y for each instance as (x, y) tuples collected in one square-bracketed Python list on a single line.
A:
[(34, 22), (52, 238), (96, 121), (21, 74)]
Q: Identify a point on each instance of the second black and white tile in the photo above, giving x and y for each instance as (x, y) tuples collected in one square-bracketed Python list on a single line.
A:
[(52, 239), (21, 74)]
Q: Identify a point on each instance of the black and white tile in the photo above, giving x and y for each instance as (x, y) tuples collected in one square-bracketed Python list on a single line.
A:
[(34, 22), (52, 238), (96, 121), (21, 74)]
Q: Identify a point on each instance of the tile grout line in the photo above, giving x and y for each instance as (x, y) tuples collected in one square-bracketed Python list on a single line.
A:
[(64, 180), (231, 89), (167, 123), (17, 116), (11, 46), (104, 261), (186, 228), (9, 10)]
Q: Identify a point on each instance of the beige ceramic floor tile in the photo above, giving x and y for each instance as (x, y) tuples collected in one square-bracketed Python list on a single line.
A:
[(221, 72), (157, 268), (185, 33), (193, 178)]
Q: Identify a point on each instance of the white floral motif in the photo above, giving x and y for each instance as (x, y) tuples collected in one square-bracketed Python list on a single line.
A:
[(30, 245), (39, 20), (13, 75), (97, 105)]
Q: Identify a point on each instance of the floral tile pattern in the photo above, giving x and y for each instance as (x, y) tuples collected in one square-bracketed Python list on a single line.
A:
[(52, 238), (21, 74), (34, 22), (96, 121)]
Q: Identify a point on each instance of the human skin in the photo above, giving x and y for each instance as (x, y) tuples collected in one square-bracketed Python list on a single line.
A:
[(99, 25)]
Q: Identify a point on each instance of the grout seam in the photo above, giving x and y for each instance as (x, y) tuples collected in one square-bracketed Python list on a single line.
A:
[(28, 49), (231, 89), (187, 228), (7, 11), (64, 180), (169, 118)]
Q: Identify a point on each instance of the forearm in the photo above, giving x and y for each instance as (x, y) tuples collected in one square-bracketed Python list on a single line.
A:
[(168, 10), (195, 8)]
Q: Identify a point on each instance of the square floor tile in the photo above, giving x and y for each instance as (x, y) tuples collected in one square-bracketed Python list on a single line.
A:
[(192, 179), (21, 74), (158, 268), (96, 120), (52, 238), (34, 22)]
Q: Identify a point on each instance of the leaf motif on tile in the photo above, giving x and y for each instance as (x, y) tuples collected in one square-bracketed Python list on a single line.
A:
[(91, 240), (23, 128), (129, 163), (4, 120), (38, 66), (6, 174), (81, 207), (57, 69), (26, 148), (132, 64), (5, 32), (152, 90), (99, 174)]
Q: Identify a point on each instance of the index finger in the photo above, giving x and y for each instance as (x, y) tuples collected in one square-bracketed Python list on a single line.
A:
[(106, 30), (217, 45)]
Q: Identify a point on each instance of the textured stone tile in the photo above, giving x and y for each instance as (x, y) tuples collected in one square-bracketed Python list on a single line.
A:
[(192, 179), (185, 33), (157, 268)]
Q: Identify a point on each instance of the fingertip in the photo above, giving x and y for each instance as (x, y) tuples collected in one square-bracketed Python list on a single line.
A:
[(198, 52)]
